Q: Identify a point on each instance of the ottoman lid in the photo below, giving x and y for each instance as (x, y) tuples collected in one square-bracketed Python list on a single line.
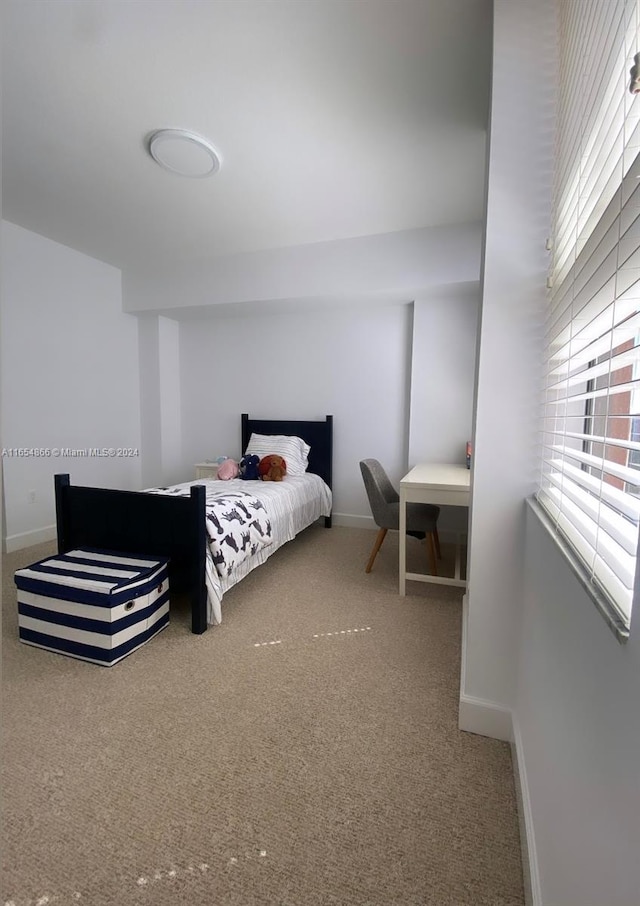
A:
[(97, 572)]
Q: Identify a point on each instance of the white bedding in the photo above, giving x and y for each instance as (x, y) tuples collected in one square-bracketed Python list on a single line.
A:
[(291, 505)]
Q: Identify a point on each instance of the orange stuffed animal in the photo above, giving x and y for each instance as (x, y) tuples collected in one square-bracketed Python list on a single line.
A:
[(272, 467)]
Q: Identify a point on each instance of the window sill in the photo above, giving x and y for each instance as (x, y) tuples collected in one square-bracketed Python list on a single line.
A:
[(602, 604)]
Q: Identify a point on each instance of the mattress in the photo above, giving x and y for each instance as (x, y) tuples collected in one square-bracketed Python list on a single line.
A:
[(291, 505)]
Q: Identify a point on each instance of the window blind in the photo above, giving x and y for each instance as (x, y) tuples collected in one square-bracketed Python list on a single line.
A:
[(590, 445)]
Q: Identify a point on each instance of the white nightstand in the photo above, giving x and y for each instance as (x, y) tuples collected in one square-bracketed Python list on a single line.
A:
[(206, 470)]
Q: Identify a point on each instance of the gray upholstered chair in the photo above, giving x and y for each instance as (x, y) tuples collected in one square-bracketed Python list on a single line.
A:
[(422, 518)]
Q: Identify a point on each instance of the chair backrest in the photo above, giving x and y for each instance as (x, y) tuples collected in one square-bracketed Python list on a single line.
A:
[(381, 493)]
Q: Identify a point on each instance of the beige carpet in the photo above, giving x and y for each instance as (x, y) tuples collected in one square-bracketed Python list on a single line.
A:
[(303, 753)]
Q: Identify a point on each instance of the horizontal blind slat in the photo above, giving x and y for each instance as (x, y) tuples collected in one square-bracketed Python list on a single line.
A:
[(617, 500), (590, 404), (620, 529)]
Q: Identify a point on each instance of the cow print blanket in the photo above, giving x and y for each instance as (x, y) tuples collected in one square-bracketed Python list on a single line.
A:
[(238, 526)]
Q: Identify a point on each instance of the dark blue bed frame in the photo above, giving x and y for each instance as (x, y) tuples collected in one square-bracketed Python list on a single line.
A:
[(174, 527)]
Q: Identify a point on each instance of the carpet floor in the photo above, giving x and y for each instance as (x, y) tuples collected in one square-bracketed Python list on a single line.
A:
[(303, 753)]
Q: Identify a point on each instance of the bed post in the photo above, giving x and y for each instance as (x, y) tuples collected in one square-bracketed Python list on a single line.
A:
[(329, 420), (198, 587), (60, 483), (244, 431)]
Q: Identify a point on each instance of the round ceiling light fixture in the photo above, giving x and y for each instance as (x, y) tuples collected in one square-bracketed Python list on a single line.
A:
[(184, 153)]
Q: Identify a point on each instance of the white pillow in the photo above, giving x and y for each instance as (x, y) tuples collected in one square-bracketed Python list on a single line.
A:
[(294, 450)]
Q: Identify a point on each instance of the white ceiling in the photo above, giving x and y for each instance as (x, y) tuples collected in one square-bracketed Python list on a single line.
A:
[(333, 118)]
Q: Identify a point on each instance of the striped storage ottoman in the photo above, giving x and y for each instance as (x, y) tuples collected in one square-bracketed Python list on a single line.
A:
[(95, 605)]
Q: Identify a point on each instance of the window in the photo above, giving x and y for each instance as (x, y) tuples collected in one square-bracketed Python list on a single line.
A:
[(590, 446), (634, 456)]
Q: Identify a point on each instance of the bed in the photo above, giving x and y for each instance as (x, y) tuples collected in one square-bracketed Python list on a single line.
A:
[(177, 521)]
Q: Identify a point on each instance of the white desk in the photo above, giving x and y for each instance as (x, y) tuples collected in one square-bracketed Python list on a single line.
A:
[(440, 483)]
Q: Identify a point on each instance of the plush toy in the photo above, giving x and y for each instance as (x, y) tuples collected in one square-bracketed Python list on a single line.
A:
[(249, 468), (272, 467), (228, 469)]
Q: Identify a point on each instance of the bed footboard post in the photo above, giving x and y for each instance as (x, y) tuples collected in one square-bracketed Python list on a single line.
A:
[(198, 586), (61, 482), (329, 466)]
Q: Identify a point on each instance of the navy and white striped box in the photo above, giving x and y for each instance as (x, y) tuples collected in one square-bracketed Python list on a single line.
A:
[(95, 605)]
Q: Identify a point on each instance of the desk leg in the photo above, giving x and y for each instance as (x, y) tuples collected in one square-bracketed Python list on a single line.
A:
[(403, 541)]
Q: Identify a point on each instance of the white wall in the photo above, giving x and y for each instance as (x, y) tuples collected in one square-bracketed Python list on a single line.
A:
[(443, 366), (309, 331), (509, 354), (391, 265), (351, 363), (443, 373), (170, 396), (161, 428), (536, 647), (348, 354), (69, 360), (577, 719), (150, 401)]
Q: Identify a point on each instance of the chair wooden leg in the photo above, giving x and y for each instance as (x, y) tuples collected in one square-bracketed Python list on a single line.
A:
[(376, 547), (437, 540), (431, 553)]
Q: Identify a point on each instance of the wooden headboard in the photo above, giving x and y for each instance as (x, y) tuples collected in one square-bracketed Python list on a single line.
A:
[(318, 434)]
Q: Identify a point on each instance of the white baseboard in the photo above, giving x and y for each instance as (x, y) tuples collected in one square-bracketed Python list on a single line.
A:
[(530, 873), (487, 718), (484, 718), (477, 715), (28, 539), (347, 520)]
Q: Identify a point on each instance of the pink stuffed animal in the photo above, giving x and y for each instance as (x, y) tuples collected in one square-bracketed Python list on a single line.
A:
[(228, 469)]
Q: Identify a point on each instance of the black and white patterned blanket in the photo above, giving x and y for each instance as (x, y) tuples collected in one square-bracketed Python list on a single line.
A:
[(238, 525)]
